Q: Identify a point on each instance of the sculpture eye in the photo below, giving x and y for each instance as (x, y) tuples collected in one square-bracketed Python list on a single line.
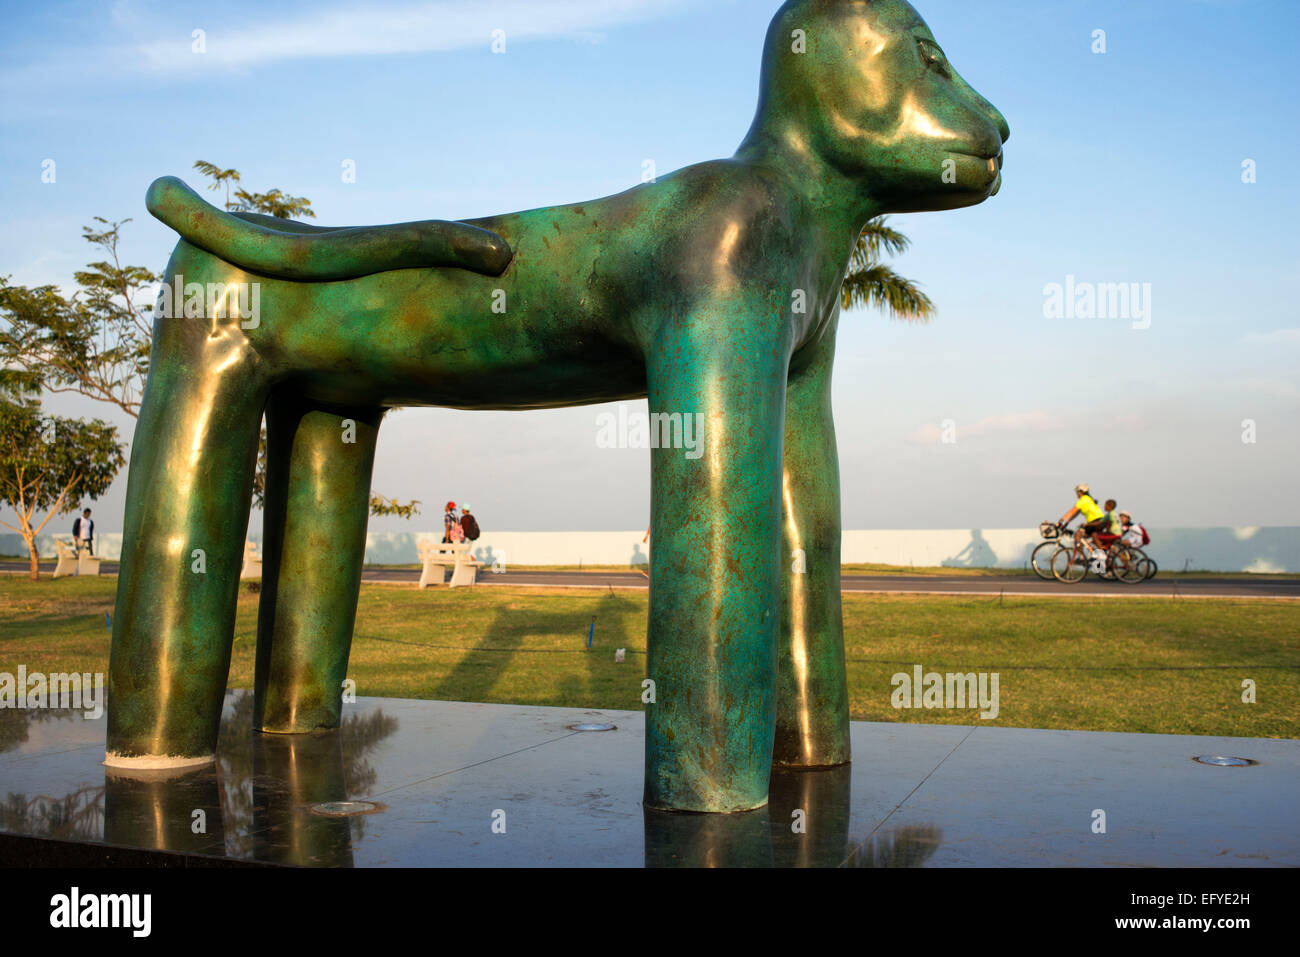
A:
[(933, 57)]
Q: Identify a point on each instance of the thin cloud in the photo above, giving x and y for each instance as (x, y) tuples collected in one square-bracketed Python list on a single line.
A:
[(367, 30), (1275, 388), (1020, 422), (1275, 338)]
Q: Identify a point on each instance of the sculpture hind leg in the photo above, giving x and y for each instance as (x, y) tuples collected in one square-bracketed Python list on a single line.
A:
[(812, 709), (319, 464), (187, 501)]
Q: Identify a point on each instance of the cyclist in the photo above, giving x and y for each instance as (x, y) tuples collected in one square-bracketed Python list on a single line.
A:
[(1113, 529), (1094, 520), (1134, 534)]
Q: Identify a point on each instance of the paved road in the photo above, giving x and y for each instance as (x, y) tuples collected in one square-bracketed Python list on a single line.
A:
[(922, 584), (1011, 585)]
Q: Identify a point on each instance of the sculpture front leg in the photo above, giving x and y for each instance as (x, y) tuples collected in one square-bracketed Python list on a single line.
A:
[(187, 503), (714, 587), (812, 721)]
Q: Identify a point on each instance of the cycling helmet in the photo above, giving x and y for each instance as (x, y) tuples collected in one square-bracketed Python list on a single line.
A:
[(450, 506), (1082, 488)]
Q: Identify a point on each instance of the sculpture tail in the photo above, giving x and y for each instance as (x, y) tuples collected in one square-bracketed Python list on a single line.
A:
[(324, 254)]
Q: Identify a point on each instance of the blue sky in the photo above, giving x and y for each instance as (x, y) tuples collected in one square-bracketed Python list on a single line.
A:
[(1122, 167)]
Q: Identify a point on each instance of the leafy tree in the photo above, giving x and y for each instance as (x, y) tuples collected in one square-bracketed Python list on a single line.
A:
[(97, 342), (48, 463), (390, 506), (275, 203), (869, 283)]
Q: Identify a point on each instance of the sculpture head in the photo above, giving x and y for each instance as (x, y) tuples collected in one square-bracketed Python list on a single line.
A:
[(864, 87)]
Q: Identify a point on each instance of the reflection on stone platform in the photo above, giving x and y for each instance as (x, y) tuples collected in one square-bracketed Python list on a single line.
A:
[(452, 783)]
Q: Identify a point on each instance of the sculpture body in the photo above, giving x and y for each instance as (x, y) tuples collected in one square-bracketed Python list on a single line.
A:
[(714, 290)]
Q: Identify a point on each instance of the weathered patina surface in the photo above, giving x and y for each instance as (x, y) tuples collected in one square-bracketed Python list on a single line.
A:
[(713, 291)]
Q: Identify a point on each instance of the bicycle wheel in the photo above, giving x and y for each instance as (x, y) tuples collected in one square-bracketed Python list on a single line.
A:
[(1125, 564), (1148, 566), (1070, 565), (1041, 560)]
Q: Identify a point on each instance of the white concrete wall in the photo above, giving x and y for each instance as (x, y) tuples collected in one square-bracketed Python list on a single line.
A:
[(1274, 549), (522, 548)]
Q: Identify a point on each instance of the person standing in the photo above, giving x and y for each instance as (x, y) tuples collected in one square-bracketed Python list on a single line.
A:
[(83, 533), (449, 518)]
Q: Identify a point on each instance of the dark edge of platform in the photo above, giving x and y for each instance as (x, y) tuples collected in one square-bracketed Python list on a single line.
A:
[(43, 852)]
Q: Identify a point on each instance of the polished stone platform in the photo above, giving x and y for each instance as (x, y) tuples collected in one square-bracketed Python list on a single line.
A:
[(500, 785)]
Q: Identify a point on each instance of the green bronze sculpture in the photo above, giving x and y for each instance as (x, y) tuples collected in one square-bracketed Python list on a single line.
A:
[(713, 292)]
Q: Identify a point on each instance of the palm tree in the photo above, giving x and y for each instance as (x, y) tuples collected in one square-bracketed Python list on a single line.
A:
[(275, 203), (869, 283)]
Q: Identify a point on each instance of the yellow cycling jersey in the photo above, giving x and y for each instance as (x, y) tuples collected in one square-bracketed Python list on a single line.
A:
[(1090, 509)]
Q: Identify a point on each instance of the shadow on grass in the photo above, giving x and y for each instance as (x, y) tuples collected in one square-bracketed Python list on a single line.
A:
[(493, 655)]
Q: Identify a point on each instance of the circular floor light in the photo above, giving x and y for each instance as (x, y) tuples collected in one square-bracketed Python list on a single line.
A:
[(591, 726), (1223, 761)]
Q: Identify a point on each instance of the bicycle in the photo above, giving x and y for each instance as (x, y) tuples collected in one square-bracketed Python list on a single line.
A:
[(1041, 558), (1071, 564), (1149, 567), (1126, 563), (1148, 564)]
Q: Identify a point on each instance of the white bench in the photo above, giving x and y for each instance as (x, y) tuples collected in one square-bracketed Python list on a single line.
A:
[(437, 557), (87, 564), (67, 559), (252, 562)]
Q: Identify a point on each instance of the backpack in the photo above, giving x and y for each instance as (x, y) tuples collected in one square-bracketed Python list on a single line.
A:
[(470, 527), (1134, 532)]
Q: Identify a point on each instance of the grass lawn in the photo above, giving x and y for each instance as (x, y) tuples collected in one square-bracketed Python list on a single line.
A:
[(1156, 665)]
